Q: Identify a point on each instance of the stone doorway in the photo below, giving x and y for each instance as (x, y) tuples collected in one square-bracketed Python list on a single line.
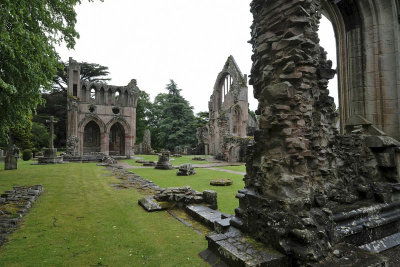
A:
[(117, 140), (91, 138)]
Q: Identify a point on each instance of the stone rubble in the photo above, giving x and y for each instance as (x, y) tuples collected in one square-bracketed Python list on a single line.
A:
[(186, 170), (14, 204)]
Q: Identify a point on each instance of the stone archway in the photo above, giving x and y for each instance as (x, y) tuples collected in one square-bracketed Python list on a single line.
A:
[(117, 140), (91, 138)]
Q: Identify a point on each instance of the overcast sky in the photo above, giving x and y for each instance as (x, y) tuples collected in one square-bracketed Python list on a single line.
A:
[(184, 40)]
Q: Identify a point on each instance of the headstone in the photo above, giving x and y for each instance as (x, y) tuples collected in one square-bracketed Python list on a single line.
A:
[(11, 160), (163, 162)]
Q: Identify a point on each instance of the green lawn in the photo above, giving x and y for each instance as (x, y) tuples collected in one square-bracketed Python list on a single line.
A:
[(80, 220), (174, 161), (200, 181)]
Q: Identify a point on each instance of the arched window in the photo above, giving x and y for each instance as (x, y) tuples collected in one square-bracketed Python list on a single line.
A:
[(327, 38), (92, 94), (226, 86), (117, 97)]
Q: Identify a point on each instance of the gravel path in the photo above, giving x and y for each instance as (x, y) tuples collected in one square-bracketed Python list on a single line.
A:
[(228, 171)]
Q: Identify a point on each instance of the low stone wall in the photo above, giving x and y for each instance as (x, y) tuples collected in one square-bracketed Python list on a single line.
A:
[(14, 204)]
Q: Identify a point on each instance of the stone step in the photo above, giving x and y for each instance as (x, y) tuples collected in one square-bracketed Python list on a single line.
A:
[(236, 249), (382, 244), (365, 225), (212, 218)]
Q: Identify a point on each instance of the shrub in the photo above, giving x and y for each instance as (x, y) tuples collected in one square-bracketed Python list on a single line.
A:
[(27, 154)]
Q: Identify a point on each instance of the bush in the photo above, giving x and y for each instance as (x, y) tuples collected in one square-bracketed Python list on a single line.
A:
[(27, 154)]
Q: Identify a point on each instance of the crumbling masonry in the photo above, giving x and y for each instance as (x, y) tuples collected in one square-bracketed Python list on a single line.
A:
[(226, 136), (101, 117), (307, 187)]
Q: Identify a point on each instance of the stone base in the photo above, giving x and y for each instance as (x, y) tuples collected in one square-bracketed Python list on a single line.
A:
[(50, 153), (164, 166), (45, 160)]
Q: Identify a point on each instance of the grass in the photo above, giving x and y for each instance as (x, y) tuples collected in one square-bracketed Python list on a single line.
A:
[(174, 161), (80, 220), (200, 181)]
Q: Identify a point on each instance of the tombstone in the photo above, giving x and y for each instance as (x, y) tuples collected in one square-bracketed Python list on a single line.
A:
[(1, 155), (11, 160), (50, 153), (163, 162)]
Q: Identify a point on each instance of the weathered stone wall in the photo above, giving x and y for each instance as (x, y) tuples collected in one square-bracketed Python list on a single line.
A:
[(105, 109), (301, 171), (229, 117)]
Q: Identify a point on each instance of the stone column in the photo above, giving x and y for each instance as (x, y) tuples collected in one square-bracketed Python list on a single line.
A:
[(289, 160)]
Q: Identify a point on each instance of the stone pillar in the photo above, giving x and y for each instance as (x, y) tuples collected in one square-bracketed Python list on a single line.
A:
[(290, 158)]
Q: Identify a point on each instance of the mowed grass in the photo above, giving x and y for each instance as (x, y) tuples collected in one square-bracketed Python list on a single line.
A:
[(174, 161), (80, 220), (200, 181)]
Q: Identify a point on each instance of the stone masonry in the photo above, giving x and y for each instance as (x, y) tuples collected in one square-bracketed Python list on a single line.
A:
[(101, 117), (307, 186), (225, 136)]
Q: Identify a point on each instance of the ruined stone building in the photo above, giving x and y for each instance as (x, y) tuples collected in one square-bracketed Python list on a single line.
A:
[(101, 118), (226, 134), (312, 193)]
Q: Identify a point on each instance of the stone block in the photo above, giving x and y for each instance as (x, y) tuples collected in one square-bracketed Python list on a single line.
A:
[(149, 204), (210, 197)]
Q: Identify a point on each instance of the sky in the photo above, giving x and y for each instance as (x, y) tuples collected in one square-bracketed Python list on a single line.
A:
[(155, 41)]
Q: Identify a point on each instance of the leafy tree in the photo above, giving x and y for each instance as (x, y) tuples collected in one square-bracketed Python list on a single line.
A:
[(56, 101), (91, 72), (172, 119), (40, 136), (143, 113), (29, 31), (202, 118)]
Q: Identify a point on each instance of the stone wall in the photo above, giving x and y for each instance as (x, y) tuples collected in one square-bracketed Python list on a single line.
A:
[(229, 117), (300, 170), (112, 109)]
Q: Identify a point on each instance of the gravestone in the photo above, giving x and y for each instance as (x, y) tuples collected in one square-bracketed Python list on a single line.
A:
[(163, 162), (1, 155), (11, 160), (50, 153)]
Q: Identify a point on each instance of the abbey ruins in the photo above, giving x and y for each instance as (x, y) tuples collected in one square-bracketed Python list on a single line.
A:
[(101, 118), (313, 193), (227, 134)]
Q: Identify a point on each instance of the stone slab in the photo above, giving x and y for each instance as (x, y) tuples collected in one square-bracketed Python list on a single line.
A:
[(237, 249), (149, 204), (382, 244), (204, 214)]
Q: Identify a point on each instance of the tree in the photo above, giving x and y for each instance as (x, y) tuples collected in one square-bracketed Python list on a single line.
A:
[(29, 31), (143, 113), (172, 119), (40, 136), (202, 118), (91, 72), (56, 101)]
